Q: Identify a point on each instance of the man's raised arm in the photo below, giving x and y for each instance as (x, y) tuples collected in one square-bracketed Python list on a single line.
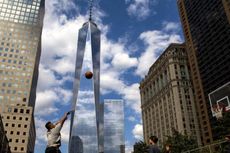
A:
[(62, 120)]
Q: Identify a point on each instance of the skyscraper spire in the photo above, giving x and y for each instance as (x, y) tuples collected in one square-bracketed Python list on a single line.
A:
[(90, 9)]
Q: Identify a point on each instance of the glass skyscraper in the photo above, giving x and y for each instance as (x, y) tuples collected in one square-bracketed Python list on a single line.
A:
[(20, 48), (206, 26), (87, 120), (114, 126)]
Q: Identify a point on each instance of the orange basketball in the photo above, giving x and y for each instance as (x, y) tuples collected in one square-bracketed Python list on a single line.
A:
[(88, 74)]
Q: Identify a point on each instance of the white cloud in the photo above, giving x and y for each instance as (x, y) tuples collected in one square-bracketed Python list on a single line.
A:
[(156, 41), (131, 95), (140, 8), (131, 118), (45, 103), (40, 130), (138, 132), (128, 147), (123, 61), (46, 79), (171, 26)]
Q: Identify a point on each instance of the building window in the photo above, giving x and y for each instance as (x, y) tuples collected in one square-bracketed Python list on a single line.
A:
[(23, 141), (24, 133), (16, 140), (15, 110), (18, 133), (15, 148), (26, 119), (9, 110), (25, 126)]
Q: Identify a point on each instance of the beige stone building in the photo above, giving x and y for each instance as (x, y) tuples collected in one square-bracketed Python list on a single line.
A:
[(167, 99), (20, 48)]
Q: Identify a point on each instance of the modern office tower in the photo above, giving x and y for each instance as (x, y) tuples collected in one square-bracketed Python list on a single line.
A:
[(89, 130), (167, 99), (4, 143), (20, 48), (114, 126), (206, 28), (76, 145)]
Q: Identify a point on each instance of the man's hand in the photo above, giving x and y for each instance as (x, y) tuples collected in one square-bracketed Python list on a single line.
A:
[(62, 120)]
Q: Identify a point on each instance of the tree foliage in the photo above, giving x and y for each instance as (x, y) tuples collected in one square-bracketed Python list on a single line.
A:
[(140, 147), (222, 126), (180, 143)]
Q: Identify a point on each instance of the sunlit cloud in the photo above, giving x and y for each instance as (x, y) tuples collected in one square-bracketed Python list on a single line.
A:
[(140, 9)]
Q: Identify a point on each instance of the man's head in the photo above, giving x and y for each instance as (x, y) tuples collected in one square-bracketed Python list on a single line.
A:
[(49, 125), (168, 147), (153, 139)]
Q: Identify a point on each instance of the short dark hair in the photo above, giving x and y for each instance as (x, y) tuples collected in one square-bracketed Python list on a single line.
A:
[(153, 138), (48, 125)]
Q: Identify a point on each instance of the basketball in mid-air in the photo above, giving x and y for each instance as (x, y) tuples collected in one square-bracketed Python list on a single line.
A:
[(88, 75)]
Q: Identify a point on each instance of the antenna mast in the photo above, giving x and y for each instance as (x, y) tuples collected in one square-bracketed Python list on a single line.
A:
[(90, 9)]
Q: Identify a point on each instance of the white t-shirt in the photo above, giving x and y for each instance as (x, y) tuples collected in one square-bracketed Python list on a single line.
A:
[(54, 136)]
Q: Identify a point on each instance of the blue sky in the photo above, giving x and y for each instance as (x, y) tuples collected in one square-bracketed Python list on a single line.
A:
[(134, 33)]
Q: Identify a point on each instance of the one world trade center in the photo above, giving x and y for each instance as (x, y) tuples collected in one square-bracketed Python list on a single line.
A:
[(86, 128)]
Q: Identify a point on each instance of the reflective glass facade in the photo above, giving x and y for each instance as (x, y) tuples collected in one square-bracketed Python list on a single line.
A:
[(20, 48), (87, 120), (114, 126), (206, 25), (20, 11)]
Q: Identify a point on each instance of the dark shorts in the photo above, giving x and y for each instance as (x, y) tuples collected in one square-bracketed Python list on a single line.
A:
[(52, 150)]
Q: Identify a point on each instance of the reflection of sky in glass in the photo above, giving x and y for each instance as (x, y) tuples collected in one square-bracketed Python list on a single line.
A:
[(113, 125), (85, 117)]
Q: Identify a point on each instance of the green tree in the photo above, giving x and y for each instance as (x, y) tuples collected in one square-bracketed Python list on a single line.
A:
[(140, 147), (180, 143), (222, 126)]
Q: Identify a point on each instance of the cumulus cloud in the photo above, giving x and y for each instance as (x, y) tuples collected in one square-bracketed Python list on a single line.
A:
[(156, 41), (138, 132), (132, 96), (45, 103), (141, 9), (128, 147), (123, 61), (171, 26)]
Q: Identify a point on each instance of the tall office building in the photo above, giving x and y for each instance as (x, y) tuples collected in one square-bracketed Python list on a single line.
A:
[(76, 145), (20, 48), (4, 143), (206, 25), (91, 131), (114, 126), (167, 99)]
